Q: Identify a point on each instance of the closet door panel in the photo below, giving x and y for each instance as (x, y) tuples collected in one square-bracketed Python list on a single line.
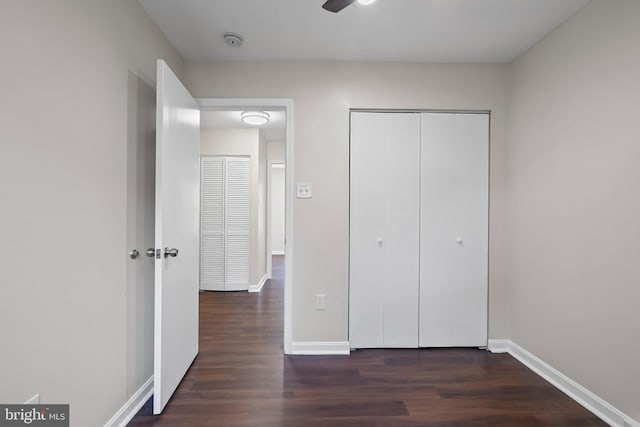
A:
[(472, 171), (212, 258), (237, 225), (237, 265), (367, 181), (437, 230), (454, 230), (401, 242)]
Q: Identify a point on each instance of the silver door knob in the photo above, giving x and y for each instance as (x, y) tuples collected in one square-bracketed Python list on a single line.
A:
[(173, 252), (151, 252), (134, 254)]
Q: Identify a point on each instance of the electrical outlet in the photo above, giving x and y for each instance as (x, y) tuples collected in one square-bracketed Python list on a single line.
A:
[(303, 190), (321, 301)]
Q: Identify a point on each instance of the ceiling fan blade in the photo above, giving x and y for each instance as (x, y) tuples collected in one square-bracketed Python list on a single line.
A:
[(336, 5)]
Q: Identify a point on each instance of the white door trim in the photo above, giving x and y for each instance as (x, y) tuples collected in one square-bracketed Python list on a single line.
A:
[(287, 105)]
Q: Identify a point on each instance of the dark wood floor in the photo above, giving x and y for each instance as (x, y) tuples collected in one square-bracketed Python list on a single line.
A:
[(242, 378)]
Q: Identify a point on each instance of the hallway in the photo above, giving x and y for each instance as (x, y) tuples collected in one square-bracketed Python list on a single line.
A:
[(242, 378)]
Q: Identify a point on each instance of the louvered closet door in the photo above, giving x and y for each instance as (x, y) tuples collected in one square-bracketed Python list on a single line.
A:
[(224, 223), (454, 230), (237, 224), (212, 200)]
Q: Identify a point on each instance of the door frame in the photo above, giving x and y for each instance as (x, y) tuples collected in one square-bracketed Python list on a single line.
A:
[(287, 105)]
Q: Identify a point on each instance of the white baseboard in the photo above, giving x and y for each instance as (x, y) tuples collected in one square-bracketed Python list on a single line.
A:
[(604, 410), (499, 346), (277, 252), (35, 400), (258, 287), (320, 348), (132, 406)]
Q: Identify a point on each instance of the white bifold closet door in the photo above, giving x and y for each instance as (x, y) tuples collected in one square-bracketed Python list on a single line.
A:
[(384, 229), (224, 223), (454, 229), (418, 230)]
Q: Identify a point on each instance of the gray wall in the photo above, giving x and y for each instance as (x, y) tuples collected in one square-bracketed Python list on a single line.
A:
[(276, 152), (574, 201), (76, 164), (323, 94)]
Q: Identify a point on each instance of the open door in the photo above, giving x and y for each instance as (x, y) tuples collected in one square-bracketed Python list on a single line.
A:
[(177, 235)]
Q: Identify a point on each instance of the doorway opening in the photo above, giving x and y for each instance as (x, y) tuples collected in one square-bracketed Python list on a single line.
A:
[(177, 227), (270, 148)]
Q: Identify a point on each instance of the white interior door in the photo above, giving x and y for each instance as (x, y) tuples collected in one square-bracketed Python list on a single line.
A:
[(454, 230), (384, 230), (177, 227)]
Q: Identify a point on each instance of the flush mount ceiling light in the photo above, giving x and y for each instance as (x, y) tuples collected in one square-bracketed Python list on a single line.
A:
[(366, 2), (255, 118)]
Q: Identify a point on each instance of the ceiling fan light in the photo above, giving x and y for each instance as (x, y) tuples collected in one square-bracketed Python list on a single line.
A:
[(255, 118), (366, 2)]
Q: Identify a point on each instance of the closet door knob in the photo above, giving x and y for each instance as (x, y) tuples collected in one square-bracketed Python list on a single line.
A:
[(380, 241), (459, 241)]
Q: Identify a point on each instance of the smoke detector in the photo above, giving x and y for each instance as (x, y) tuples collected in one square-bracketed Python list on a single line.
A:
[(233, 39)]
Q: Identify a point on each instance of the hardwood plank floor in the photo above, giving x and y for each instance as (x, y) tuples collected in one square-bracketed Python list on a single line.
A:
[(241, 378)]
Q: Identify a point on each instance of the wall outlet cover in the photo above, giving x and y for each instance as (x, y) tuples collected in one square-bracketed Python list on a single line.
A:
[(303, 190)]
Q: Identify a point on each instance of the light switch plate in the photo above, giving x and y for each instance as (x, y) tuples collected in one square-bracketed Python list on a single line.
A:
[(303, 190), (321, 301)]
